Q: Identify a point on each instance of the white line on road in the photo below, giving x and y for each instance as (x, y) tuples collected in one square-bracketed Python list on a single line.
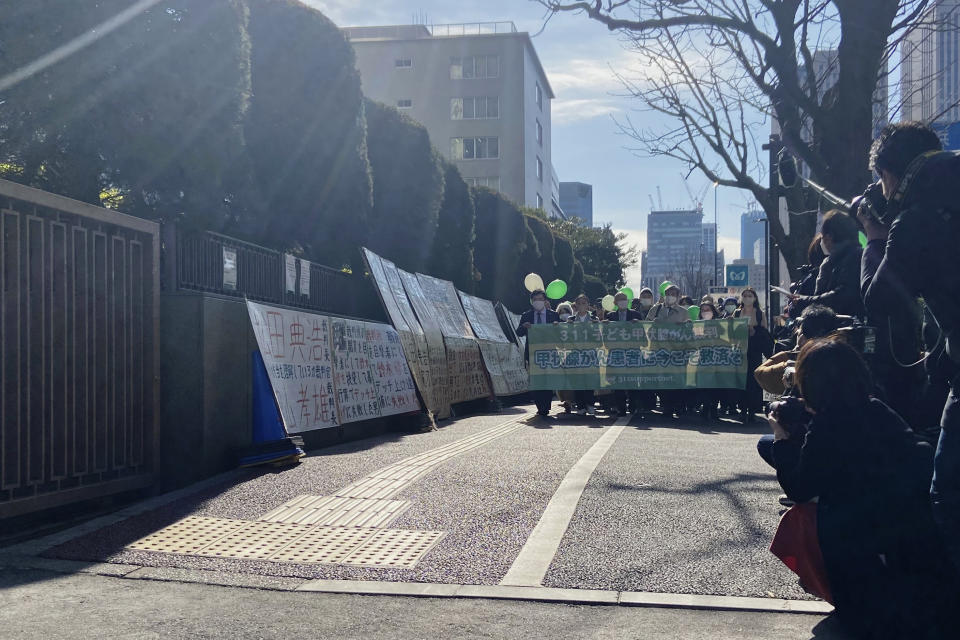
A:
[(531, 565)]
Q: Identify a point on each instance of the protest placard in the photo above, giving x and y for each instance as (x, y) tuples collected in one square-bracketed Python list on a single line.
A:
[(388, 367), (390, 287), (296, 351), (355, 390), (439, 369), (503, 360), (639, 355)]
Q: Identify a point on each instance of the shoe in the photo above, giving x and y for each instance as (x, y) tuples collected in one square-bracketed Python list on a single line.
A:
[(543, 413), (785, 501), (591, 411)]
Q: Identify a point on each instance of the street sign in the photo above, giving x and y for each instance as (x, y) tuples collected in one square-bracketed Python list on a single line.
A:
[(738, 275)]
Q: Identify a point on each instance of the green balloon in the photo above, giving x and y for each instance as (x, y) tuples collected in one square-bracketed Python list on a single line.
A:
[(694, 312), (863, 239), (556, 289), (628, 292), (666, 284)]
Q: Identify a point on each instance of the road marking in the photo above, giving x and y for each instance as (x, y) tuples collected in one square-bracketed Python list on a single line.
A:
[(531, 565)]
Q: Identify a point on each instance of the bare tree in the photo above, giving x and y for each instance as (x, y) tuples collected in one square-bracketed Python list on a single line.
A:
[(693, 273), (721, 70)]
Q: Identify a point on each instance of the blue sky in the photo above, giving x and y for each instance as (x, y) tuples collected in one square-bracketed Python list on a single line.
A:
[(578, 55)]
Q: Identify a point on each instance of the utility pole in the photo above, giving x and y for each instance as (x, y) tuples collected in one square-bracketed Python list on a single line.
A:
[(776, 192), (716, 235)]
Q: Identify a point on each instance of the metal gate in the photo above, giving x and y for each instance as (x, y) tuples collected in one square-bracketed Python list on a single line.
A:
[(78, 350)]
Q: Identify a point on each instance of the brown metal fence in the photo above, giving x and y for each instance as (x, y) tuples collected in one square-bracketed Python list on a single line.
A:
[(195, 261), (78, 350)]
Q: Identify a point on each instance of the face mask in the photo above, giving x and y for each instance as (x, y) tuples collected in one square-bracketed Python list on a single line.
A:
[(646, 302), (706, 315), (564, 317), (748, 301), (539, 304), (621, 304), (823, 247), (671, 300), (731, 308)]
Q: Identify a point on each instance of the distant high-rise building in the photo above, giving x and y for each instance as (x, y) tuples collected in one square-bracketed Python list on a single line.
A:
[(674, 248), (721, 263), (576, 201), (480, 91), (710, 255), (930, 66), (751, 230)]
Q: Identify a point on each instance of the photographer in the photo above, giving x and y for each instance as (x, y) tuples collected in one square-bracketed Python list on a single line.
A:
[(838, 281), (913, 232), (870, 474), (817, 321)]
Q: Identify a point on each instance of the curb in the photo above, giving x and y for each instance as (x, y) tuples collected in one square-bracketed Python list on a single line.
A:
[(425, 589)]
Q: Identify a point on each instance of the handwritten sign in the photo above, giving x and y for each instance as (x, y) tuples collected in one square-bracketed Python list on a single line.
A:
[(388, 367), (290, 271), (387, 279), (502, 358), (296, 351), (305, 278), (355, 390), (439, 370)]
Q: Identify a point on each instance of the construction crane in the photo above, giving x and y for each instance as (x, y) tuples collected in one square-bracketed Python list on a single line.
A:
[(653, 207), (696, 200), (659, 198)]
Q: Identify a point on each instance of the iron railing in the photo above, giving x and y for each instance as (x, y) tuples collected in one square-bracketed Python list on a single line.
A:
[(196, 262), (78, 350)]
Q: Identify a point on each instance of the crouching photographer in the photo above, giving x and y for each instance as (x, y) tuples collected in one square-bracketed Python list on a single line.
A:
[(869, 474)]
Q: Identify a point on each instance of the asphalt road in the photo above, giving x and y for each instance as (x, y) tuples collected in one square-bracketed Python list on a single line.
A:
[(36, 605)]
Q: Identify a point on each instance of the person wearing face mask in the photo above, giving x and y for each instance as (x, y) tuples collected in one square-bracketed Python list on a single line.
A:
[(709, 399), (838, 280), (729, 307), (538, 314), (568, 399), (669, 310), (644, 302), (623, 313), (759, 345), (585, 398)]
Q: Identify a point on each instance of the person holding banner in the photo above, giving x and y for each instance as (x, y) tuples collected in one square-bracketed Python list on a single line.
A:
[(669, 310), (585, 398), (709, 398), (538, 314), (759, 345), (623, 314)]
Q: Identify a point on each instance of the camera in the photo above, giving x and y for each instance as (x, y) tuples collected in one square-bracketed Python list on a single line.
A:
[(871, 204), (790, 412)]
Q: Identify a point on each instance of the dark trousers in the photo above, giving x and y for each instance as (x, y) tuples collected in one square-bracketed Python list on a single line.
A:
[(945, 488), (584, 399), (543, 400), (765, 449)]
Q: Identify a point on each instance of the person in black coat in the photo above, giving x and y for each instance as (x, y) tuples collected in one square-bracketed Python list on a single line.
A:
[(539, 314), (623, 313), (870, 474), (913, 232), (838, 281)]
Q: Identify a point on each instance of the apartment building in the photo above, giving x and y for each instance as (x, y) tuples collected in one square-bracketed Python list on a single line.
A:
[(480, 91)]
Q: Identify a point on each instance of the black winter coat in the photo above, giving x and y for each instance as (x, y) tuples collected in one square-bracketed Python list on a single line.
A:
[(838, 282)]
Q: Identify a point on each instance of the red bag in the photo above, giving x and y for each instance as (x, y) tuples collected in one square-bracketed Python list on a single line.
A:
[(797, 545)]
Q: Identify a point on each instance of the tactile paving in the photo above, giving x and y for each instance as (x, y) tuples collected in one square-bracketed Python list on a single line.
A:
[(337, 511), (189, 535), (394, 548), (324, 545), (258, 540)]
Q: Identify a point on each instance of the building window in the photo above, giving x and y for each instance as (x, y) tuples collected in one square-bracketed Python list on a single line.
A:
[(539, 133), (474, 67), (405, 104), (479, 108), (403, 63), (539, 201), (539, 170), (539, 96), (491, 182), (482, 148)]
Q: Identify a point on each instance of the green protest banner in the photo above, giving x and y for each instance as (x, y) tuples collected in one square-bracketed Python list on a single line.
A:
[(707, 354)]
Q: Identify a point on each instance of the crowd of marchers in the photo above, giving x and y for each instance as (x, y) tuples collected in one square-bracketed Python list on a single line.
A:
[(866, 363)]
